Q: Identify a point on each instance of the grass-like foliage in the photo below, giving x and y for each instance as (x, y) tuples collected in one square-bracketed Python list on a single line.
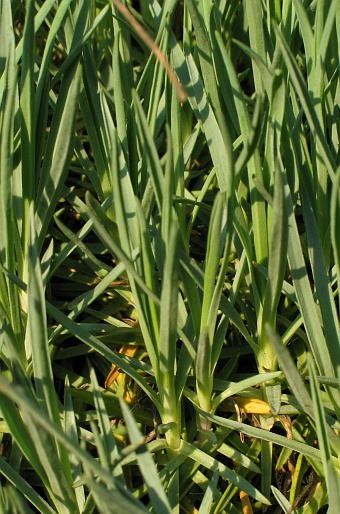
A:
[(170, 256)]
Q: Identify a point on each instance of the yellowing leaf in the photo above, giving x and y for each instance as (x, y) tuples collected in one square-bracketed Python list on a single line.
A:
[(246, 505), (246, 405), (115, 374)]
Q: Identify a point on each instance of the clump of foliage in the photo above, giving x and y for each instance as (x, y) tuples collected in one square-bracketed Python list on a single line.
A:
[(169, 252)]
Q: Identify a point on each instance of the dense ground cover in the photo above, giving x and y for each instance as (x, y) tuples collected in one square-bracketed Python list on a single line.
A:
[(169, 252)]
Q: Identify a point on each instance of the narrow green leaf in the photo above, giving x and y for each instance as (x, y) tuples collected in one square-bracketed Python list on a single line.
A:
[(6, 32), (20, 434), (259, 218), (150, 152), (80, 36), (332, 480), (296, 383), (208, 498), (237, 387), (266, 435), (215, 244), (155, 490), (8, 258), (321, 281), (220, 153), (124, 198), (307, 33), (306, 102), (282, 500), (113, 500), (37, 326), (203, 372), (167, 340), (79, 304), (201, 25), (43, 376), (214, 465), (34, 415), (115, 248), (335, 226), (276, 267), (58, 151), (304, 294), (256, 36), (94, 343), (71, 430), (27, 111), (96, 119), (38, 21), (107, 438)]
